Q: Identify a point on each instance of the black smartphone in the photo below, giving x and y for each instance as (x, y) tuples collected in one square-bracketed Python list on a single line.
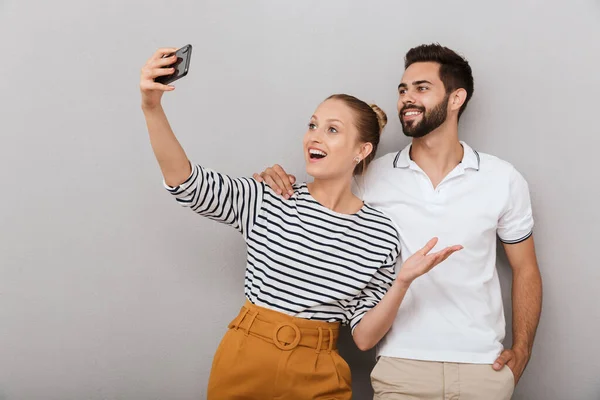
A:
[(182, 65)]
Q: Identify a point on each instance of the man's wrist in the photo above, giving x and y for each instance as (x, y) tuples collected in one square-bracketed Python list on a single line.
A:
[(522, 349)]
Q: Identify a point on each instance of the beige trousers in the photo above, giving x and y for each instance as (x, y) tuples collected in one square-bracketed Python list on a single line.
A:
[(402, 379)]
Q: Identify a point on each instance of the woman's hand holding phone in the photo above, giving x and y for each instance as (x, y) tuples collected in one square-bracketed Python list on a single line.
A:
[(155, 67)]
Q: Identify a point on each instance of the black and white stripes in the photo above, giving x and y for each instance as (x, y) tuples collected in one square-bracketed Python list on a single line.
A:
[(303, 259)]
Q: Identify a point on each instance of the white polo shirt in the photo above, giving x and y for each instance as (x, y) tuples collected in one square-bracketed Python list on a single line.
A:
[(454, 313)]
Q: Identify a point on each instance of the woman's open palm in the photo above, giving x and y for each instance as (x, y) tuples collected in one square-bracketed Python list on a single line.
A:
[(422, 262)]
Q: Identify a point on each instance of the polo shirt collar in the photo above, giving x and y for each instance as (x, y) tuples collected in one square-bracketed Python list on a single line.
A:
[(402, 159), (470, 158)]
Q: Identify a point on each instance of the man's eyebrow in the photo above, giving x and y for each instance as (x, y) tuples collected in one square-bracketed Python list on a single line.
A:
[(415, 83)]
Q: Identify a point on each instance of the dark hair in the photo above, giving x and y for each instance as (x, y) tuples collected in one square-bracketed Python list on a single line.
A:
[(369, 119), (455, 72)]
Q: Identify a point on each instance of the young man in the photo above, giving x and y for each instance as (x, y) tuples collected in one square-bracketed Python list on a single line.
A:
[(446, 341)]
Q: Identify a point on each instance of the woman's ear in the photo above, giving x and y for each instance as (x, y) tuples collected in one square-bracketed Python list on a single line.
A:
[(365, 150)]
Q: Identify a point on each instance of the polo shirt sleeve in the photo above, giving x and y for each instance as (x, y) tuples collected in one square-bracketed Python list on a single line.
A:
[(372, 294), (516, 222), (235, 202)]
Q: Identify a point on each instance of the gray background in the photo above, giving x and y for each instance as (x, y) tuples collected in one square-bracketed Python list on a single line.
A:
[(109, 290)]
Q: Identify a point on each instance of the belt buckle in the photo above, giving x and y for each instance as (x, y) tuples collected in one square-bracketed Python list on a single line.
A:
[(283, 346)]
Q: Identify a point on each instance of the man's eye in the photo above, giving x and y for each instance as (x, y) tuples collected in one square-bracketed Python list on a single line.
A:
[(402, 91), (423, 88)]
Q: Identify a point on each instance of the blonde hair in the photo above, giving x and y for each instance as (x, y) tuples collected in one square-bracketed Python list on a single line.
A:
[(381, 117)]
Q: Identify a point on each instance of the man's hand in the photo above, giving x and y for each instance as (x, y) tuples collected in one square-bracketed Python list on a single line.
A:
[(515, 359), (278, 180)]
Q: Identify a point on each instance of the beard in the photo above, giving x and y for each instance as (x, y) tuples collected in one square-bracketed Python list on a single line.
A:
[(430, 120)]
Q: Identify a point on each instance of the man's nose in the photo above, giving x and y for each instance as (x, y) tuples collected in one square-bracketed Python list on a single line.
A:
[(408, 98)]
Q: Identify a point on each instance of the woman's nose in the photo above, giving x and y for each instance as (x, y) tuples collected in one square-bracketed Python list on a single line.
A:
[(316, 135)]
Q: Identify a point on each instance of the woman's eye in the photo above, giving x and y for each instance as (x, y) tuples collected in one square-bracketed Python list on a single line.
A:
[(333, 130), (312, 126)]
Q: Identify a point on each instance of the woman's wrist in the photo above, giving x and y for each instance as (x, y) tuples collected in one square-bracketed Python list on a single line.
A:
[(401, 283), (149, 108)]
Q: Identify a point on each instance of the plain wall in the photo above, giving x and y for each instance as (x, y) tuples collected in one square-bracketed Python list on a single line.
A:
[(109, 290)]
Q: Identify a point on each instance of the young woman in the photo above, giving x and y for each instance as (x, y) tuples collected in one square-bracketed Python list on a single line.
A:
[(319, 259)]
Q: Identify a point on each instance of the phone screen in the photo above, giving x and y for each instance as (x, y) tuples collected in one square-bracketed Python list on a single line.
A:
[(181, 66)]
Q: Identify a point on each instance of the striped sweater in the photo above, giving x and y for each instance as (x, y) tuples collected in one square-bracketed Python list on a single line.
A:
[(304, 259)]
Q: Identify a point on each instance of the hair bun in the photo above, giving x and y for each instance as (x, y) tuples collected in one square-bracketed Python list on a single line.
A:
[(381, 116)]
